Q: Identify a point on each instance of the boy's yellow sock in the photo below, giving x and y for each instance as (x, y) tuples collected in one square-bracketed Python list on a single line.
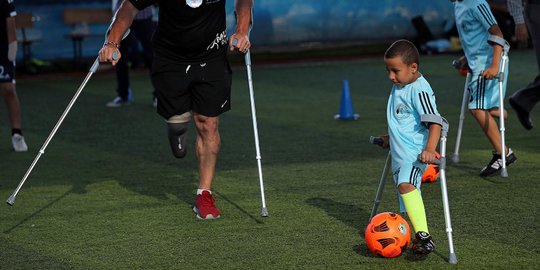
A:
[(415, 209)]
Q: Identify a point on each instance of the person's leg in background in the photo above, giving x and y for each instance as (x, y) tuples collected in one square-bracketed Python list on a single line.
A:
[(123, 90), (143, 30), (524, 100), (7, 90)]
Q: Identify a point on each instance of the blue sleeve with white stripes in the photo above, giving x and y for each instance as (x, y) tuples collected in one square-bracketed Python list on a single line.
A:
[(424, 102), (484, 16)]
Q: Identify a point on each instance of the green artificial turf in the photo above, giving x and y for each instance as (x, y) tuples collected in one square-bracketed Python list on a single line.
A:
[(108, 194)]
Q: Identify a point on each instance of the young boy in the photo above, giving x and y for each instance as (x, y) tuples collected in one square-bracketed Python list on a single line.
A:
[(475, 23), (414, 128)]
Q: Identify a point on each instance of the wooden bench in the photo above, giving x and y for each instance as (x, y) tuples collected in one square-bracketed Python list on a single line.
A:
[(80, 19), (23, 22)]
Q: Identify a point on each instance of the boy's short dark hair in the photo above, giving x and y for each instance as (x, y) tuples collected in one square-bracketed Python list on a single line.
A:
[(405, 49)]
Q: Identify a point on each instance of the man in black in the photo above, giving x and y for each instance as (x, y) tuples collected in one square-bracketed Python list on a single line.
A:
[(8, 53), (190, 74), (526, 14)]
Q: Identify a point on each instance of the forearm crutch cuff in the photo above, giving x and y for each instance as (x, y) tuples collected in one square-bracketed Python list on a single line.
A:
[(493, 39)]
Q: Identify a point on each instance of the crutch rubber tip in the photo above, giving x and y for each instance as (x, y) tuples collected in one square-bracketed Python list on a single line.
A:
[(264, 212), (452, 259), (504, 172), (455, 158), (11, 200)]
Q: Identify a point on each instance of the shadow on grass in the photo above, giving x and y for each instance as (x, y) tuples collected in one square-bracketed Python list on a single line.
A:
[(346, 213), (466, 168), (38, 211), (15, 256), (363, 250), (242, 210)]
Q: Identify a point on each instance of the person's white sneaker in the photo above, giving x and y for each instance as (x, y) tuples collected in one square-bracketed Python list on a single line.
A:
[(117, 102), (19, 145)]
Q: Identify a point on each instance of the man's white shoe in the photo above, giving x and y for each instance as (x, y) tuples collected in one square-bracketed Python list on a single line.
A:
[(19, 145), (117, 102)]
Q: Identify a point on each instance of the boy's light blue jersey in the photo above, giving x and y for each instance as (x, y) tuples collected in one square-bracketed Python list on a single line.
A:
[(408, 135), (473, 20)]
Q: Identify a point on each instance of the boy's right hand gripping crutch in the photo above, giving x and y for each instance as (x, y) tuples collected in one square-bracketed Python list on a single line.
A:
[(93, 69), (247, 58), (501, 77)]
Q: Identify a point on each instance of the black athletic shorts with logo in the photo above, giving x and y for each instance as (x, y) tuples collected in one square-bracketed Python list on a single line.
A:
[(204, 88), (7, 71)]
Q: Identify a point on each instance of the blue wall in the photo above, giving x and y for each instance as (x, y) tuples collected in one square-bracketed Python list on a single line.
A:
[(276, 22)]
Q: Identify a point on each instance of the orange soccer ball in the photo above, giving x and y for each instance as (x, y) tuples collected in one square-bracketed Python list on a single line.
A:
[(432, 172), (388, 235)]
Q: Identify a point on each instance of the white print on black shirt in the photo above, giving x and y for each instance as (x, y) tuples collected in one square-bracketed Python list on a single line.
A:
[(221, 39)]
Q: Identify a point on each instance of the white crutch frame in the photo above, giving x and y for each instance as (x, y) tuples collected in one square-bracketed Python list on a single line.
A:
[(93, 69), (247, 59)]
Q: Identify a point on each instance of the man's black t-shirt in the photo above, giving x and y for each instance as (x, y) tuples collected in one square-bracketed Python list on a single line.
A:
[(7, 9), (189, 34)]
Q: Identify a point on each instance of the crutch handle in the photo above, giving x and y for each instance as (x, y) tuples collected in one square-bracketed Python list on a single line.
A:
[(376, 140), (436, 161), (382, 141)]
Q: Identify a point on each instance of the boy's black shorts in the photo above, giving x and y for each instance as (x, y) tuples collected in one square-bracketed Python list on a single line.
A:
[(204, 88), (7, 71)]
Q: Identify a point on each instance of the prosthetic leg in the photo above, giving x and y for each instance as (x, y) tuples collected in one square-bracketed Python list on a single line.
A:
[(442, 174), (177, 127)]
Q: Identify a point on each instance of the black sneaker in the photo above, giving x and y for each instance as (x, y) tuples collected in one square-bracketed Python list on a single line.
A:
[(423, 243), (495, 164)]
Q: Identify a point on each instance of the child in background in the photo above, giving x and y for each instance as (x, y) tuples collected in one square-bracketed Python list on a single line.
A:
[(475, 23), (414, 128)]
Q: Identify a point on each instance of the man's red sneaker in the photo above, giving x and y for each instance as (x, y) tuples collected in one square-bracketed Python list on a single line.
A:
[(205, 208)]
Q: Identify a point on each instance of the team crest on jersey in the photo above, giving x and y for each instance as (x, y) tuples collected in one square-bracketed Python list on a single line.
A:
[(402, 111), (198, 3), (194, 3), (466, 26)]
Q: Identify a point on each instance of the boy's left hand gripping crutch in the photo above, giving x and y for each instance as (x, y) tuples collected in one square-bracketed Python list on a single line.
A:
[(93, 68), (247, 58), (442, 175), (501, 77)]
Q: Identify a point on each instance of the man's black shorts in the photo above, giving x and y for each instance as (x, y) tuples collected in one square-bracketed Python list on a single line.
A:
[(7, 71), (204, 88)]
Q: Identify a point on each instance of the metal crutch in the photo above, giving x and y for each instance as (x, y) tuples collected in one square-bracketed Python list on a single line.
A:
[(464, 101), (380, 189), (247, 58), (442, 174), (505, 48), (93, 68), (264, 210)]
